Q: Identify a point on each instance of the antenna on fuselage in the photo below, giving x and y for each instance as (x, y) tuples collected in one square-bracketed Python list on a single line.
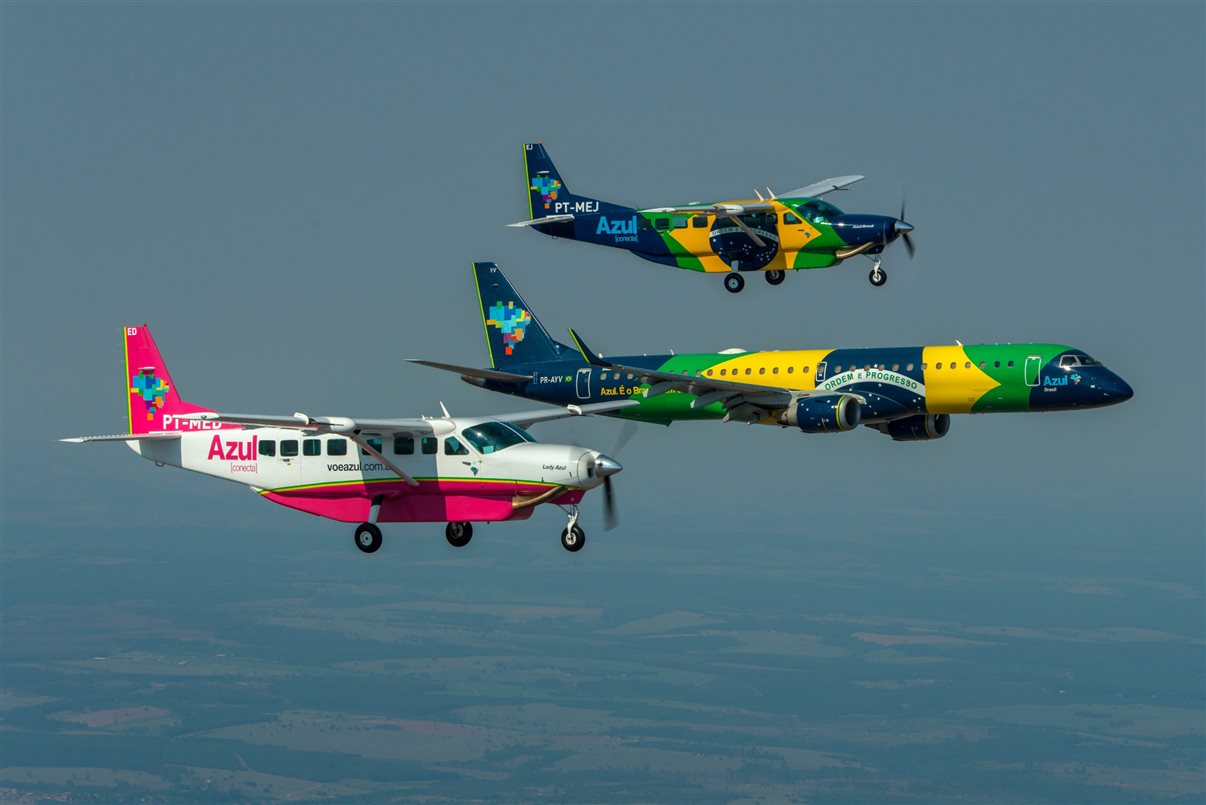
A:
[(445, 410)]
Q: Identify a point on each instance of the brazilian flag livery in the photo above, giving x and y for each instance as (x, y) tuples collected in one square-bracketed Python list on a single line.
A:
[(906, 392)]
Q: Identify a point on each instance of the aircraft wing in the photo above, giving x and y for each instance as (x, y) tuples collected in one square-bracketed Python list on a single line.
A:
[(724, 208), (548, 219), (527, 418), (817, 189), (469, 371), (743, 401)]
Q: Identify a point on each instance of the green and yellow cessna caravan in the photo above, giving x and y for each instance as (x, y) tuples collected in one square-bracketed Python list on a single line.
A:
[(907, 393), (772, 234)]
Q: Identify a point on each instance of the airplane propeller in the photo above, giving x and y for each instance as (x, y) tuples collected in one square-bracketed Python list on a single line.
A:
[(610, 518), (904, 229)]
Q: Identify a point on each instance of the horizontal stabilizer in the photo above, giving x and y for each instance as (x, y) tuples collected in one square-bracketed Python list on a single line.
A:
[(469, 371), (122, 437), (548, 219)]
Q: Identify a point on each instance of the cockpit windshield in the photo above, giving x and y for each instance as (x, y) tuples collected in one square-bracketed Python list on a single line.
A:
[(490, 437), (817, 211), (1070, 361)]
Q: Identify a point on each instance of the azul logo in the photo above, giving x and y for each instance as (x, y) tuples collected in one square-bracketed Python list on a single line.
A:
[(1048, 380), (617, 228), (151, 388), (232, 450), (511, 321), (547, 187)]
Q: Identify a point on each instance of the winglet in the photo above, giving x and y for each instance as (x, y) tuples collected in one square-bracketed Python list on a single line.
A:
[(591, 357)]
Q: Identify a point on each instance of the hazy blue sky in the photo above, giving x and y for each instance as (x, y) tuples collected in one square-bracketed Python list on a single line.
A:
[(291, 194)]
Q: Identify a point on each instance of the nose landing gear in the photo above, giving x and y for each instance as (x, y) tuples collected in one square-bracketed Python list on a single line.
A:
[(877, 276), (734, 282), (573, 537)]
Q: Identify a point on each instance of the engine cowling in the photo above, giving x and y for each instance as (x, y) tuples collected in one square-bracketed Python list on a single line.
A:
[(831, 413), (920, 428)]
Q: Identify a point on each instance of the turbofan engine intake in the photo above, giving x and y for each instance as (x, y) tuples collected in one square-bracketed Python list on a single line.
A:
[(831, 413), (920, 428)]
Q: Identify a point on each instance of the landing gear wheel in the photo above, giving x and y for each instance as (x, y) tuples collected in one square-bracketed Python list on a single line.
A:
[(368, 537), (733, 283), (878, 276), (573, 538), (458, 534), (775, 277)]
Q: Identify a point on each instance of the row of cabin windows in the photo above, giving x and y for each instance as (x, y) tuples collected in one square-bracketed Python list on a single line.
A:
[(403, 446), (839, 367), (701, 221)]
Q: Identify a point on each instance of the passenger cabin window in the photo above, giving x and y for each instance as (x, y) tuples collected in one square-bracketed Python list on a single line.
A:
[(311, 447), (288, 447), (490, 437), (429, 445), (337, 447), (267, 447), (996, 364), (790, 218), (908, 367), (373, 443), (699, 221), (790, 369), (896, 367), (967, 365), (452, 447), (404, 445), (680, 222), (1010, 364), (661, 223)]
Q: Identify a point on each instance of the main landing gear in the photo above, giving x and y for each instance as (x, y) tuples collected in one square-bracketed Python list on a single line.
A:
[(572, 536), (775, 277), (368, 537), (459, 534), (877, 276)]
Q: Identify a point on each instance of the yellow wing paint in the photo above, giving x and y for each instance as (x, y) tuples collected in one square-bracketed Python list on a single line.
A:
[(953, 382)]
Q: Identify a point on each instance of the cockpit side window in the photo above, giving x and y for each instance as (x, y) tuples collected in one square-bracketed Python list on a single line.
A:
[(1068, 361), (817, 211), (1085, 360)]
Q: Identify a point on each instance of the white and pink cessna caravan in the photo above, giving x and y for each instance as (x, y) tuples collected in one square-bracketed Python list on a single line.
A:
[(457, 470)]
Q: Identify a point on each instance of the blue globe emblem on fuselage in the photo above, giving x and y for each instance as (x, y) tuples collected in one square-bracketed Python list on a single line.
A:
[(732, 244)]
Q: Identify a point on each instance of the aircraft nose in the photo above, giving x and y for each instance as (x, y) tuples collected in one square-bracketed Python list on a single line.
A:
[(606, 465), (1118, 390)]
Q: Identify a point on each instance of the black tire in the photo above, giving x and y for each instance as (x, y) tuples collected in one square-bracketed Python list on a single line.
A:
[(574, 541), (775, 277), (368, 537), (458, 534), (880, 280), (734, 282)]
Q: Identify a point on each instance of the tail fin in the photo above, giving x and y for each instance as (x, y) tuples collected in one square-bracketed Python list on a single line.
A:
[(513, 334), (151, 395), (547, 193)]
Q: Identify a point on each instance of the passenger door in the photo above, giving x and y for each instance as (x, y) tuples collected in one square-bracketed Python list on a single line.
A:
[(1033, 369), (582, 383)]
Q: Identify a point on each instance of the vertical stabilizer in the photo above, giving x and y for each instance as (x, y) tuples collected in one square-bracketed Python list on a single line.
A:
[(152, 399), (513, 333)]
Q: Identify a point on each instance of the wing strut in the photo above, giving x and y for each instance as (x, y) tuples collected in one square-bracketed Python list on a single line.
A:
[(366, 447)]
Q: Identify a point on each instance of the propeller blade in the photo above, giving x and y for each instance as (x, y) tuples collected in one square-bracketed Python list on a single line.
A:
[(909, 247), (627, 431), (610, 518)]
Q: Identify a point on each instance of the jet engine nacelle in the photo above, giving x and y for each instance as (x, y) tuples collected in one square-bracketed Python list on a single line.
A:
[(920, 428), (831, 413)]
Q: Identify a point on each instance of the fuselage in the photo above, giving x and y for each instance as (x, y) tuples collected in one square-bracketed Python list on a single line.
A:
[(464, 473), (895, 382), (798, 233)]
